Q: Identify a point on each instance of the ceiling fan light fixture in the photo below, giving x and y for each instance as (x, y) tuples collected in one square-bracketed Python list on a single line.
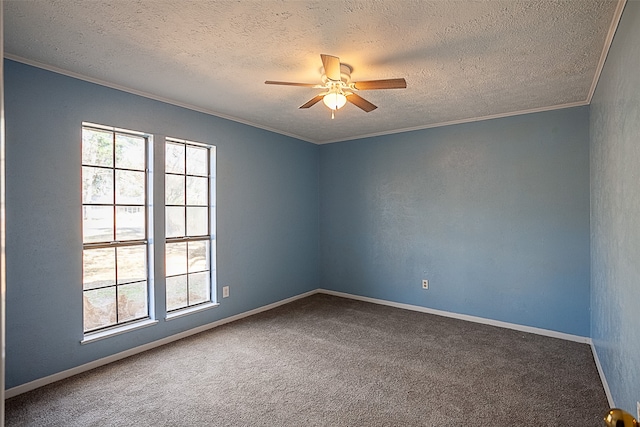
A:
[(336, 81), (334, 100)]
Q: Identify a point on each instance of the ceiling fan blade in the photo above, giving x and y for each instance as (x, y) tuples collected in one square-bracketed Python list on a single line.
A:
[(360, 102), (312, 102), (271, 82), (381, 84), (331, 66)]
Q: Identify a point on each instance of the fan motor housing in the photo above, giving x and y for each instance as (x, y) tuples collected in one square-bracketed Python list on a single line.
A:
[(345, 74)]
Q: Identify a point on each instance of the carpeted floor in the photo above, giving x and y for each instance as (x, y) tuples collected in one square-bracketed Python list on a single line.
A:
[(329, 361)]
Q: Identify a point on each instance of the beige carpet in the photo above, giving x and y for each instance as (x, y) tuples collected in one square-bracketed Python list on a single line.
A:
[(328, 361)]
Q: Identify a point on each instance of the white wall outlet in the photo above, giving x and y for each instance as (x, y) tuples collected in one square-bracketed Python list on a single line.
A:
[(225, 292), (425, 284)]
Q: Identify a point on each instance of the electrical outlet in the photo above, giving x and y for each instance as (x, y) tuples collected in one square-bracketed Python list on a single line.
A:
[(225, 292), (638, 411), (425, 284)]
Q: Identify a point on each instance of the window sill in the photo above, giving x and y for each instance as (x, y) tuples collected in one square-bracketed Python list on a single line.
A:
[(100, 335), (190, 310)]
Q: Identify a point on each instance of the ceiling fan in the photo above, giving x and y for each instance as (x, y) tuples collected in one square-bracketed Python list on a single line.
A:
[(338, 87)]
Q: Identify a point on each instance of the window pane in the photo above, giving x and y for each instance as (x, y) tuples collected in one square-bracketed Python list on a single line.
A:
[(175, 258), (197, 221), (199, 288), (130, 222), (99, 267), (99, 308), (130, 188), (198, 256), (132, 301), (174, 158), (132, 263), (97, 147), (97, 185), (174, 222), (197, 161), (197, 191), (97, 224), (130, 152), (176, 292), (174, 189)]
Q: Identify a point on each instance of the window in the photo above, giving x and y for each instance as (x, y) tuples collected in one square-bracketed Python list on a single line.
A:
[(189, 223), (114, 227), (120, 229)]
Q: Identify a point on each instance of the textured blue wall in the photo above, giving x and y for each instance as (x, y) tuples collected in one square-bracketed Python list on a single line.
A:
[(615, 213), (495, 214), (267, 215)]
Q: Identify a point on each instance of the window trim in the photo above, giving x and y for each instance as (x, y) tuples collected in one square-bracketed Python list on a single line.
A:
[(101, 334), (149, 318), (210, 237), (185, 311)]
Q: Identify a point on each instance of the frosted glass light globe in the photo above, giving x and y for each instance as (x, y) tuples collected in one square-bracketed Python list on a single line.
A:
[(334, 100)]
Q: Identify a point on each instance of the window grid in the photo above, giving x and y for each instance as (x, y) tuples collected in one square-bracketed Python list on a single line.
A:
[(101, 310), (183, 281)]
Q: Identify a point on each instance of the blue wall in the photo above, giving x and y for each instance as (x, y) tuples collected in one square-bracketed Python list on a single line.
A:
[(267, 215), (495, 214), (615, 213)]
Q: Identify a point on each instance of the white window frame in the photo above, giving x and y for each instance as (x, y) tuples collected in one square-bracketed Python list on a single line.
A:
[(210, 237), (147, 320)]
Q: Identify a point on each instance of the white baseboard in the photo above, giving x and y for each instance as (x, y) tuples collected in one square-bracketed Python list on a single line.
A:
[(475, 319), (32, 385), (605, 384)]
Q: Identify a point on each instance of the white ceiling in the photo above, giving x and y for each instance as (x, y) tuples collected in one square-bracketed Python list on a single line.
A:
[(462, 60)]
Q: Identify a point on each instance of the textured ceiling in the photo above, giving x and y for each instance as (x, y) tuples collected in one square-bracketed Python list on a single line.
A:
[(462, 60)]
